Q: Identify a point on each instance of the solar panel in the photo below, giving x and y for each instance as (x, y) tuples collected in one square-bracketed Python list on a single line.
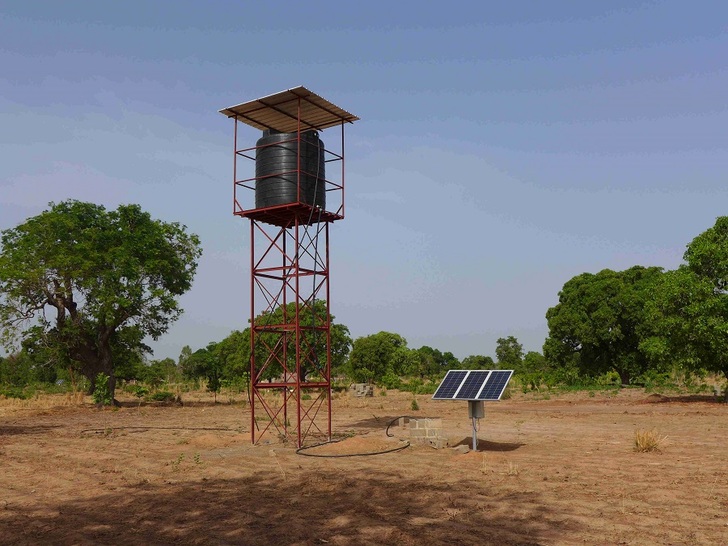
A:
[(473, 385), (496, 384), (450, 384)]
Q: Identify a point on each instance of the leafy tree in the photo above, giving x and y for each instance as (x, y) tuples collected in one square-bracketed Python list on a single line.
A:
[(406, 362), (183, 361), (449, 361), (707, 255), (477, 362), (509, 353), (87, 285), (434, 362), (533, 370), (206, 363), (689, 311), (534, 362), (160, 371), (372, 356), (16, 369), (431, 361), (599, 321), (234, 355)]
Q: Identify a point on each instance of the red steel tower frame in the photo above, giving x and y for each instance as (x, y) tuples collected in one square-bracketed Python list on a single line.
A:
[(290, 333)]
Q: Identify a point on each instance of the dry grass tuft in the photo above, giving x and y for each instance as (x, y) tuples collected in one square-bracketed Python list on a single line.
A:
[(648, 440)]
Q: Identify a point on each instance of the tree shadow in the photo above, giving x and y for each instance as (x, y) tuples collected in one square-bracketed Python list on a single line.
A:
[(376, 422), (176, 404), (314, 507), (14, 430), (656, 398), (485, 445), (695, 398)]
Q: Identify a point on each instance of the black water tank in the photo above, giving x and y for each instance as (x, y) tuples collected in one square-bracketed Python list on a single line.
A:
[(276, 163)]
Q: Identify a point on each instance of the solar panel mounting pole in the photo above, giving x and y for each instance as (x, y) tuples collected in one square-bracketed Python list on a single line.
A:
[(476, 410), (475, 436)]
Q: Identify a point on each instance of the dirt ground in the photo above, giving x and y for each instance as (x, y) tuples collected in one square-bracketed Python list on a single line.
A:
[(560, 470)]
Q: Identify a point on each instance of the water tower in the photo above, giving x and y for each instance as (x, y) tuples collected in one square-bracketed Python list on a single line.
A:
[(296, 190)]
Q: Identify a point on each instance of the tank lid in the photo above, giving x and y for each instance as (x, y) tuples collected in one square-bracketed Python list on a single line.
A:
[(280, 112)]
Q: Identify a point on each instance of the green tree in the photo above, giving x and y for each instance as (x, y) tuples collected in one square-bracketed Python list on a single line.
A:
[(183, 361), (206, 363), (477, 362), (16, 369), (533, 369), (406, 362), (157, 372), (600, 321), (534, 362), (689, 311), (434, 362), (707, 255), (234, 354), (372, 356), (88, 285), (509, 353), (449, 362)]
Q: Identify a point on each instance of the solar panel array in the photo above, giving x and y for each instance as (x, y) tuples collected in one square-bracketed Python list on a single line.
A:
[(473, 385)]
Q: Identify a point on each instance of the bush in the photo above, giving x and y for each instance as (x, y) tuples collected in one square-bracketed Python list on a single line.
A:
[(162, 396), (656, 380), (417, 386), (14, 392), (530, 381), (609, 379), (339, 386), (102, 393), (391, 381), (140, 391)]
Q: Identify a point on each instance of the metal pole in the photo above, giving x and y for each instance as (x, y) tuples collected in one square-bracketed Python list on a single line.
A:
[(285, 334), (328, 331), (343, 206), (475, 435), (297, 327), (235, 165), (253, 382)]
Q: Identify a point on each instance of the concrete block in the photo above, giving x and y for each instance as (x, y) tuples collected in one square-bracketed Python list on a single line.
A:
[(362, 389), (438, 443)]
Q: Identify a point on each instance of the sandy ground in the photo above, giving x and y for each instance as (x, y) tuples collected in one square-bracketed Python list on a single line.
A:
[(548, 471)]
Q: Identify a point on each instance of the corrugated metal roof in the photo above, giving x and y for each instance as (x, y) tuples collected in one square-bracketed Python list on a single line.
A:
[(280, 112)]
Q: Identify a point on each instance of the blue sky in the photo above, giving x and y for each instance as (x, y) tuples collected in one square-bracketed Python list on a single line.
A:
[(503, 147)]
